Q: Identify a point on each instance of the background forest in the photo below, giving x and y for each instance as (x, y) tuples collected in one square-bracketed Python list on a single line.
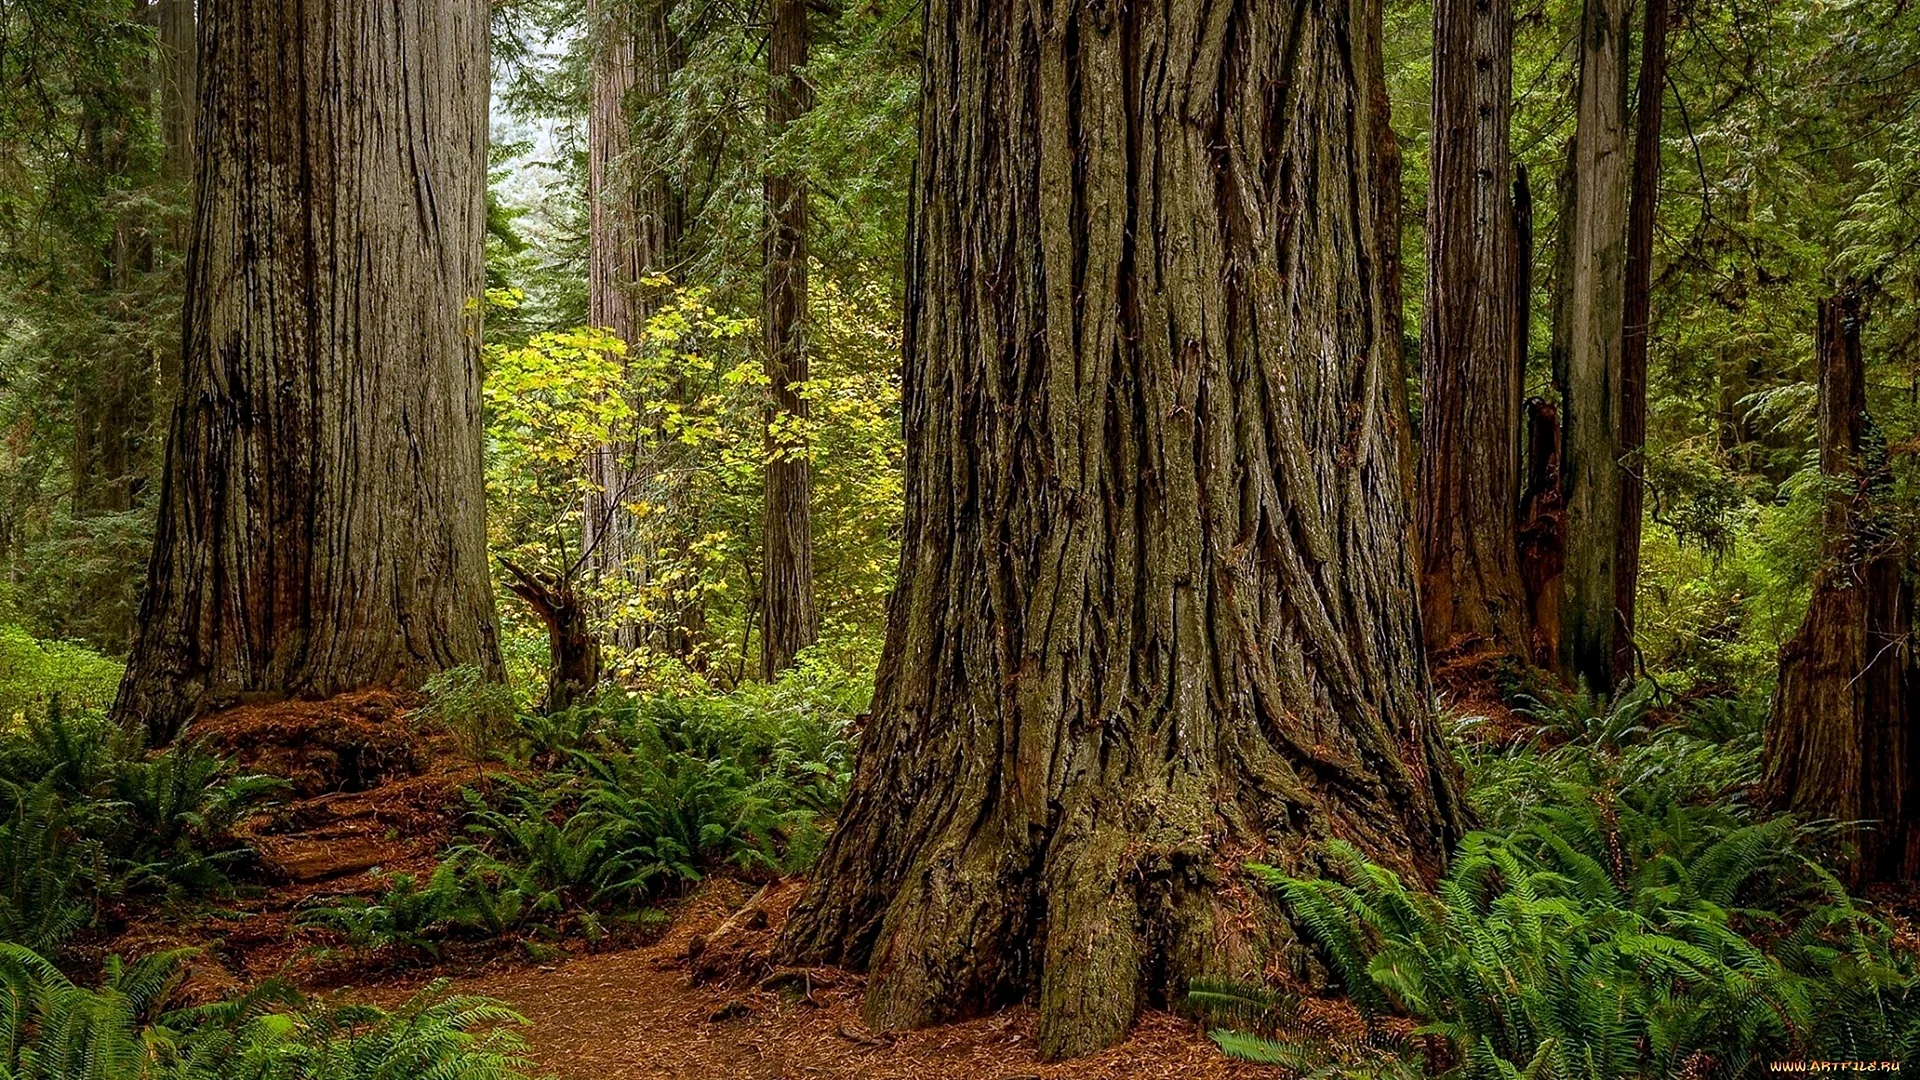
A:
[(697, 496)]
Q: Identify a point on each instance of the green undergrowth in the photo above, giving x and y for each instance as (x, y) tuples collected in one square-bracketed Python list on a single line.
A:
[(1623, 912), (36, 674), (52, 1028), (89, 819), (610, 807)]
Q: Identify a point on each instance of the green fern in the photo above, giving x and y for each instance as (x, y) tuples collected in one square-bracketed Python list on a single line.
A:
[(53, 1029), (1611, 935)]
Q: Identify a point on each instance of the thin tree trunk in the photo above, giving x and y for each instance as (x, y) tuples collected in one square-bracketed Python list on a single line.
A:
[(113, 384), (1540, 519), (1595, 314), (1522, 272), (1470, 585), (792, 623), (1638, 314), (110, 396), (1543, 534), (1841, 744), (1156, 611), (321, 520), (179, 121), (1388, 207), (636, 220), (179, 86)]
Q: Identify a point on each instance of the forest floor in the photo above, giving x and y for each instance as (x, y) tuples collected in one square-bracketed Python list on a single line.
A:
[(679, 1008), (694, 996)]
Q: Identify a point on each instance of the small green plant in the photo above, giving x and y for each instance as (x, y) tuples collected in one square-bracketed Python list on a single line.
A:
[(1587, 718), (183, 807), (36, 674), (1268, 1027), (44, 870), (477, 711)]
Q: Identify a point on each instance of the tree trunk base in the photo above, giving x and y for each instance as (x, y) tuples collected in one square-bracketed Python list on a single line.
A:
[(957, 909)]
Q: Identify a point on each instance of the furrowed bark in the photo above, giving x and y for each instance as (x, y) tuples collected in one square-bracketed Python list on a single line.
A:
[(1841, 742), (1157, 605), (790, 621), (1638, 315), (1595, 314), (1470, 585), (321, 522), (114, 386), (179, 130)]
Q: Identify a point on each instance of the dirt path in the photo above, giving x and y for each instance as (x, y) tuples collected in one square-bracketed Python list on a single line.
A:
[(639, 1015)]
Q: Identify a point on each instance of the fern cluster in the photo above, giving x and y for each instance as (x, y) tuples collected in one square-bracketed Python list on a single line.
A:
[(86, 815), (54, 1029), (635, 798), (1622, 914)]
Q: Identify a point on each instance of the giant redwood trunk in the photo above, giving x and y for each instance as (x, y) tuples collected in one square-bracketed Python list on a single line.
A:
[(1638, 317), (1474, 360), (1596, 282), (321, 522), (789, 621), (636, 218), (1156, 614), (1841, 743)]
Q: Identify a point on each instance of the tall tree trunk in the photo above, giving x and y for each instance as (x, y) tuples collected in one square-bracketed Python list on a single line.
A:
[(791, 622), (109, 394), (113, 402), (1522, 272), (179, 121), (1541, 517), (1595, 320), (1470, 586), (1156, 611), (636, 219), (1388, 207), (179, 86), (321, 519), (1638, 314), (1543, 534), (1841, 744)]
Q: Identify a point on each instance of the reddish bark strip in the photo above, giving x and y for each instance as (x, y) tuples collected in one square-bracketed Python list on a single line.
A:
[(790, 621), (1644, 199)]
